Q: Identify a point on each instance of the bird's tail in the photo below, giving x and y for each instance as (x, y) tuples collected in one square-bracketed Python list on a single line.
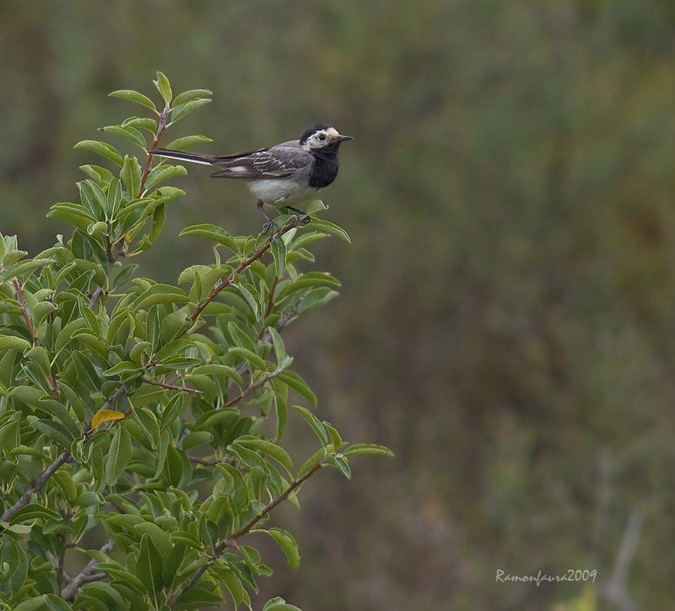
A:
[(183, 156)]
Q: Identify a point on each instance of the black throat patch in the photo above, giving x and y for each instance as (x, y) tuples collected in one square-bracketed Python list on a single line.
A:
[(325, 167)]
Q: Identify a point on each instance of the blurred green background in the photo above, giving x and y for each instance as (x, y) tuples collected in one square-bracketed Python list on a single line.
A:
[(507, 311)]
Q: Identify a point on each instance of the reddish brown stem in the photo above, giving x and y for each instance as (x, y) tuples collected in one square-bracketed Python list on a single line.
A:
[(161, 126), (225, 282), (33, 333)]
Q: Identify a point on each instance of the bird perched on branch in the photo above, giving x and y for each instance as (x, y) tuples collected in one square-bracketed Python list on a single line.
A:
[(282, 176)]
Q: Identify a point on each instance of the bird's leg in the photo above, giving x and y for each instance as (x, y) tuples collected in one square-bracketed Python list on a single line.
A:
[(269, 225), (304, 217)]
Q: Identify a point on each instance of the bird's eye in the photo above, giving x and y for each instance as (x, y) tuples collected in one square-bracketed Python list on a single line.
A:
[(322, 137)]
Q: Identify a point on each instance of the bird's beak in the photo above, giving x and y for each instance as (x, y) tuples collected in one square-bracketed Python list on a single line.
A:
[(342, 138)]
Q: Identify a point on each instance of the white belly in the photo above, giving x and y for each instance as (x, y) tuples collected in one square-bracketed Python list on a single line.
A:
[(280, 192)]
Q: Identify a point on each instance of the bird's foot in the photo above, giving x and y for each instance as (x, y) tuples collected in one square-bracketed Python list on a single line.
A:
[(303, 217)]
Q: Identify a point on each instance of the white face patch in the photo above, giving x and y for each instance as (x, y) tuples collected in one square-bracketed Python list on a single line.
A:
[(321, 138)]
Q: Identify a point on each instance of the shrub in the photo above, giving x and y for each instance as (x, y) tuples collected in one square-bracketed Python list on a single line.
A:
[(147, 418)]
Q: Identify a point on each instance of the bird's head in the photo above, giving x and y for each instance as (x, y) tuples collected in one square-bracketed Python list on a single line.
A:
[(321, 137)]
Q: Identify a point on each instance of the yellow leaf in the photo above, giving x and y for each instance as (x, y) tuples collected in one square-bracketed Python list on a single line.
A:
[(104, 415)]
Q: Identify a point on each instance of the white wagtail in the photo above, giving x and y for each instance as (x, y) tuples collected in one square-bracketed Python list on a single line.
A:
[(283, 175)]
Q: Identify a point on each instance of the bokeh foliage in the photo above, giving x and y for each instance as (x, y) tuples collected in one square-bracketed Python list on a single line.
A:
[(508, 296)]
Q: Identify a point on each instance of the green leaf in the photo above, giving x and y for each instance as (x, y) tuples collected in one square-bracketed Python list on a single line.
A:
[(341, 463), (220, 417), (172, 410), (335, 437), (129, 133), (250, 299), (56, 603), (314, 298), (160, 294), (114, 197), (177, 468), (54, 431), (21, 268), (180, 111), (34, 511), (101, 148), (232, 582), (163, 172), (7, 342), (180, 144), (316, 424), (367, 449), (131, 175), (288, 544), (312, 461), (279, 349), (197, 438), (150, 565), (198, 597), (158, 217), (212, 232), (267, 447), (164, 88), (35, 603), (75, 214), (329, 228), (239, 337), (13, 564), (27, 394), (299, 385), (160, 537), (315, 206), (192, 94), (145, 123), (119, 455), (252, 358), (110, 596), (124, 276), (122, 368), (279, 604), (101, 175), (133, 96), (279, 253)]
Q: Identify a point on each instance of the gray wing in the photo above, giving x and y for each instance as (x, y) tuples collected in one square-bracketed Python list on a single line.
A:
[(279, 161)]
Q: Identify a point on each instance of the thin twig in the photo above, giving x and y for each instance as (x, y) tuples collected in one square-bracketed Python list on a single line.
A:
[(295, 484), (37, 484), (171, 386), (284, 321), (24, 310), (86, 574), (33, 333), (270, 303), (161, 126), (95, 297), (616, 590), (226, 281), (203, 461), (251, 388)]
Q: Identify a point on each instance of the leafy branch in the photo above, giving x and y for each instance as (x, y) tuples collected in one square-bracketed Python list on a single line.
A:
[(231, 541), (63, 458)]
